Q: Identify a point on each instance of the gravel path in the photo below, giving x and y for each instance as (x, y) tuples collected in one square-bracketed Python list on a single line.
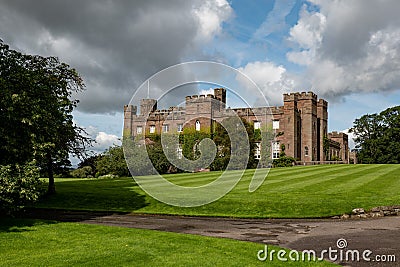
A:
[(381, 236)]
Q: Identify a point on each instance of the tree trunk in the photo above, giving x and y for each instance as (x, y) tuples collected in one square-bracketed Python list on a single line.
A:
[(52, 187)]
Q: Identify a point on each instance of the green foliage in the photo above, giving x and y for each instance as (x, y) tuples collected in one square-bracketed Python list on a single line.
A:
[(224, 144), (336, 158), (112, 162), (257, 135), (83, 172), (19, 185), (283, 148), (90, 162), (283, 161), (36, 111), (158, 158), (377, 137), (191, 139)]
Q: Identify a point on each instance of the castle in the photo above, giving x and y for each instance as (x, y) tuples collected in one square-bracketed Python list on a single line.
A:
[(300, 124)]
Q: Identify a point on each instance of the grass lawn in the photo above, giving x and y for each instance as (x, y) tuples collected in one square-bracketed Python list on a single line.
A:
[(44, 243), (298, 192)]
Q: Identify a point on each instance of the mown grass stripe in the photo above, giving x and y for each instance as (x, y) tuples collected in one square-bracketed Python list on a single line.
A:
[(359, 178), (297, 179)]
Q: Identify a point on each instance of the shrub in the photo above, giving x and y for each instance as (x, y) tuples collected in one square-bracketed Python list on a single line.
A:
[(84, 172), (335, 158), (283, 162), (19, 185)]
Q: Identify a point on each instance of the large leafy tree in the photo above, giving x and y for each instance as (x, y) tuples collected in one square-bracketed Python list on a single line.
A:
[(224, 144), (377, 136), (36, 111)]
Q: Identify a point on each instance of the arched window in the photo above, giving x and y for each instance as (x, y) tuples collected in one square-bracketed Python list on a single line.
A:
[(306, 151), (197, 125)]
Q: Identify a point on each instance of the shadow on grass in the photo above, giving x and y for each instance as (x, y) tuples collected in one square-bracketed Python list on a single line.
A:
[(113, 195), (16, 224)]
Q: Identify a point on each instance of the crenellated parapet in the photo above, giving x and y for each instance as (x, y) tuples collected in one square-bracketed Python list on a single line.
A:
[(322, 103), (307, 96)]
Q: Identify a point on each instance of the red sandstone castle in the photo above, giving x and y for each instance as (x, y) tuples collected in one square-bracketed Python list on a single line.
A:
[(300, 124)]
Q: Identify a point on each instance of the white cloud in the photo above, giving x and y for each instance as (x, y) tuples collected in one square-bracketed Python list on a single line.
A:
[(273, 80), (348, 46), (210, 16), (207, 92), (115, 47), (307, 33), (104, 141)]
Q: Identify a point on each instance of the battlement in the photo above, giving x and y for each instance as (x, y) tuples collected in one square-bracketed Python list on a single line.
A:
[(130, 109), (307, 96), (335, 134), (290, 97), (299, 96), (209, 96), (322, 103), (277, 110)]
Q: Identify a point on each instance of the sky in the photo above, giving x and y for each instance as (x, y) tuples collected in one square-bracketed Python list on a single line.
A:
[(346, 51)]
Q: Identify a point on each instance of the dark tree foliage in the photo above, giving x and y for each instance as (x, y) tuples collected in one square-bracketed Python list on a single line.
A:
[(112, 161), (36, 111), (90, 162), (378, 137), (224, 145)]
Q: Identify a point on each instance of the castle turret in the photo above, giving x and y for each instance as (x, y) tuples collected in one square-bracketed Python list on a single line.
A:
[(307, 105), (129, 112), (322, 128), (291, 126), (147, 106), (220, 95)]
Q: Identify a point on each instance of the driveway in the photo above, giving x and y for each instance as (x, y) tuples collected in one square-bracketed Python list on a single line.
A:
[(380, 235)]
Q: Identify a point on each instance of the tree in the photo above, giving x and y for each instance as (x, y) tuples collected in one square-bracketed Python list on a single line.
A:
[(19, 185), (112, 162), (36, 111), (90, 162), (377, 136), (244, 147)]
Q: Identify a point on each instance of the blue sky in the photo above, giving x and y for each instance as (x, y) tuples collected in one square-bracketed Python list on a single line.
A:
[(347, 52)]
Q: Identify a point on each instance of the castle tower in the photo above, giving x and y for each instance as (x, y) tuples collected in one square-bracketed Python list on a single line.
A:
[(147, 106), (322, 128), (343, 140), (291, 137), (220, 95), (129, 112), (307, 105), (199, 109)]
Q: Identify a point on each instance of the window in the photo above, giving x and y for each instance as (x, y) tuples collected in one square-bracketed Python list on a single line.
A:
[(165, 128), (180, 127), (179, 151), (152, 129), (275, 150), (257, 152), (257, 125), (139, 130), (306, 151), (197, 125), (275, 125)]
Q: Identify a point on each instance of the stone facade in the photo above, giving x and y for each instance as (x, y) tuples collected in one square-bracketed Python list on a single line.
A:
[(300, 124), (342, 149)]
